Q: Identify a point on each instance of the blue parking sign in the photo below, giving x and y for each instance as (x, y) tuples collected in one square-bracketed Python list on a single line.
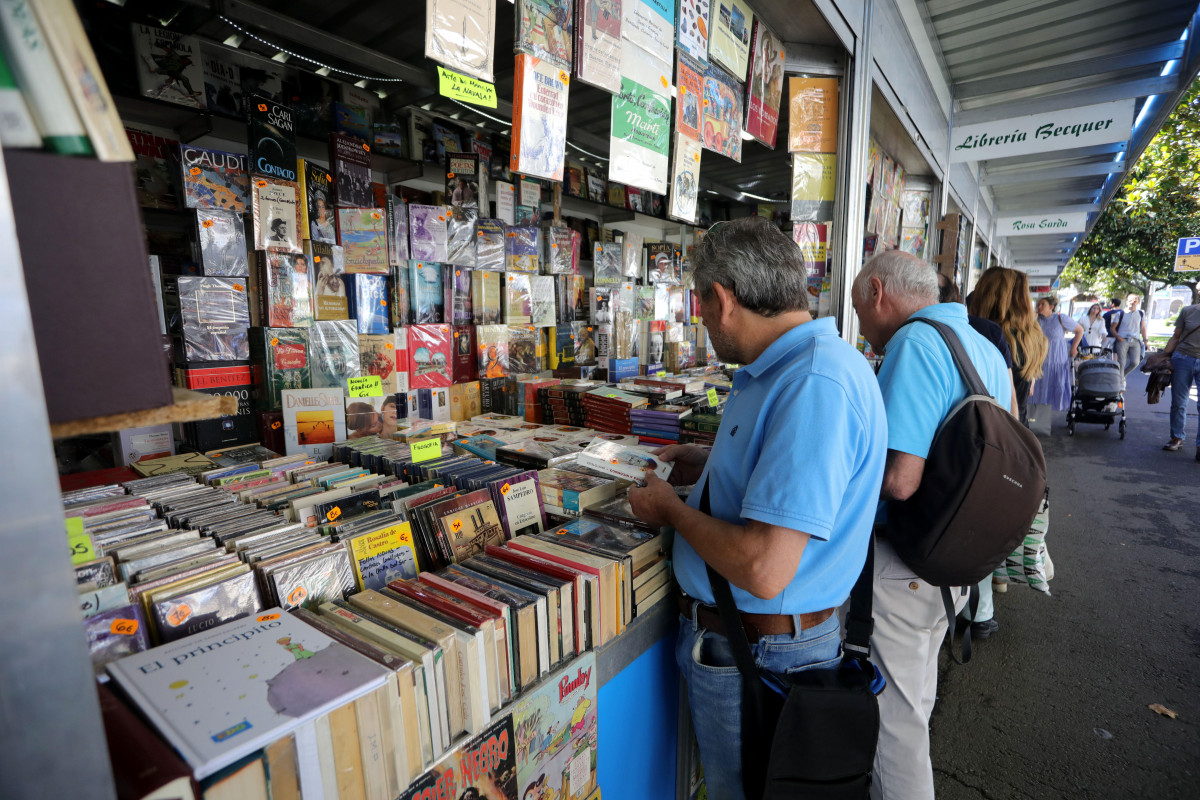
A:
[(1187, 255)]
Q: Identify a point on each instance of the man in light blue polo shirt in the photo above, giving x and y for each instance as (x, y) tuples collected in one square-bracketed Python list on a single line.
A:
[(920, 386), (793, 480)]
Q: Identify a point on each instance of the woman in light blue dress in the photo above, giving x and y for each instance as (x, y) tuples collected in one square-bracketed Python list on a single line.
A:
[(1054, 388)]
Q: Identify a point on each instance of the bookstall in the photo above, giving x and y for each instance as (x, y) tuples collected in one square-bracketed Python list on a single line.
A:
[(359, 319)]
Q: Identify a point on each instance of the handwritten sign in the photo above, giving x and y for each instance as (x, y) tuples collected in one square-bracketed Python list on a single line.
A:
[(465, 89), (713, 400), (125, 627), (426, 450), (368, 386), (80, 542)]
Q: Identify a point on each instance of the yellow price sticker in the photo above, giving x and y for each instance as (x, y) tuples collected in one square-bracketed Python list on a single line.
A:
[(82, 549), (713, 400), (456, 526), (334, 513), (662, 373), (505, 489), (367, 386), (426, 450)]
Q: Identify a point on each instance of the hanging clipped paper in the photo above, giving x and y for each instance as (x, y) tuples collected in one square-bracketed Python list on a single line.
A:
[(649, 24), (461, 35), (765, 89), (539, 133), (813, 184), (721, 113), (466, 89), (812, 115), (598, 44), (685, 179), (369, 386), (641, 122)]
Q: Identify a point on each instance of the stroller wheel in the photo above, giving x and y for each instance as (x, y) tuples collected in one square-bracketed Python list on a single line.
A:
[(1070, 428), (1121, 428), (1107, 425)]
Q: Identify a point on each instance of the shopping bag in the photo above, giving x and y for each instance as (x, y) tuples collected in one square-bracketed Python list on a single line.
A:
[(1030, 562)]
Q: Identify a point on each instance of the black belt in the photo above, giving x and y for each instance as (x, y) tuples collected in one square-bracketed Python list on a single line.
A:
[(756, 625)]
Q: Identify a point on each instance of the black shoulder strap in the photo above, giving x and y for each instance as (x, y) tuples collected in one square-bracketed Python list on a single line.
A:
[(859, 623), (966, 369)]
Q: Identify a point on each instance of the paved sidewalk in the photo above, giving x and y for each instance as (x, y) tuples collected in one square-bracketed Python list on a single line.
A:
[(1054, 705)]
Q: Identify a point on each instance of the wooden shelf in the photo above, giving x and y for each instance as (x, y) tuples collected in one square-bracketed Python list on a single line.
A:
[(188, 406)]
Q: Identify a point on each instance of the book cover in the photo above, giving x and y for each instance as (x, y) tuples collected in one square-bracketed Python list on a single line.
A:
[(333, 353), (313, 419), (518, 299), (729, 42), (489, 244), (214, 179), (397, 227), (556, 733), (212, 314), (812, 115), (400, 302), (545, 29), (382, 556), (431, 351), (462, 180), (456, 284), (169, 66), (284, 290), (560, 251), (764, 90), (280, 361), (288, 673), (649, 24), (272, 137), (539, 116), (350, 163), (493, 351), (156, 169), (523, 350), (627, 463), (222, 82), (426, 296), (427, 232), (367, 296), (446, 139), (586, 351), (378, 355), (363, 236), (329, 286), (115, 634), (276, 206), (598, 44), (222, 238), (631, 258), (518, 498), (461, 35), (521, 249), (205, 607), (316, 213), (627, 539), (608, 267), (506, 202), (640, 133), (311, 581), (542, 294), (486, 306), (597, 187), (685, 179), (482, 768), (464, 366), (460, 236), (721, 112), (692, 29)]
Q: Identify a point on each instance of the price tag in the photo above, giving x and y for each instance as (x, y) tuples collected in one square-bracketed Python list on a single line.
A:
[(276, 425), (267, 617), (426, 450), (80, 543), (456, 526), (662, 373), (505, 489), (125, 627), (389, 345), (334, 513), (195, 170), (297, 596), (208, 223), (712, 398), (368, 386)]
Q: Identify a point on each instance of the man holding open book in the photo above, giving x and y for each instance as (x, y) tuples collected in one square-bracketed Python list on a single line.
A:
[(792, 483)]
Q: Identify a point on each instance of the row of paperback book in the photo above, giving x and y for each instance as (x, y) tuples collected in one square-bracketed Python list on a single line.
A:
[(196, 555)]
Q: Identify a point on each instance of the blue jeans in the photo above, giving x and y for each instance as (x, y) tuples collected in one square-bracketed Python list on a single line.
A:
[(714, 688), (1185, 371)]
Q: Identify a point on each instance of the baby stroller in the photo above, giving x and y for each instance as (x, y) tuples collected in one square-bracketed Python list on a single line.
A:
[(1098, 396)]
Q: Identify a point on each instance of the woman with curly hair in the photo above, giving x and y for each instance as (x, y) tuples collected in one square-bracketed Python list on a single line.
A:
[(1002, 295)]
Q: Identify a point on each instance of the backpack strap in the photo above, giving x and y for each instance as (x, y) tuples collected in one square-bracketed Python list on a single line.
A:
[(966, 369)]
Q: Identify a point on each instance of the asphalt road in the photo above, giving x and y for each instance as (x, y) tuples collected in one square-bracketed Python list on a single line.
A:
[(1055, 704)]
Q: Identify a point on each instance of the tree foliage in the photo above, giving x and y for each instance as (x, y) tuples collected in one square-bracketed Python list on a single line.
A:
[(1133, 241)]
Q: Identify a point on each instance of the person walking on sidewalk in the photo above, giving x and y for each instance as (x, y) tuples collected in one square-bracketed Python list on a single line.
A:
[(1055, 386), (1128, 332), (1184, 349), (1095, 329)]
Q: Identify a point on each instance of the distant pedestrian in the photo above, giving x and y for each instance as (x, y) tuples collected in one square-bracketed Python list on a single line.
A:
[(1184, 347), (1002, 295), (1054, 388), (1095, 329), (1128, 329)]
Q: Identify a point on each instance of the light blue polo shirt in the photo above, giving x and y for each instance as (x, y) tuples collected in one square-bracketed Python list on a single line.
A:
[(802, 444), (920, 383)]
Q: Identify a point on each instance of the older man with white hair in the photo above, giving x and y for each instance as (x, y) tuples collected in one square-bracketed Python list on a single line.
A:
[(920, 386)]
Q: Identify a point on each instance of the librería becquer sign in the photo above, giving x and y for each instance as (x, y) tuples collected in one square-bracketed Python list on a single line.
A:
[(1041, 224), (1040, 133)]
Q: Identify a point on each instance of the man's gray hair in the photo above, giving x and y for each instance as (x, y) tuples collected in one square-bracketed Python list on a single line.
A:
[(753, 259), (902, 275)]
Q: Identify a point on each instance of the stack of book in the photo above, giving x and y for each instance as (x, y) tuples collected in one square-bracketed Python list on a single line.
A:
[(699, 429), (608, 407), (658, 425)]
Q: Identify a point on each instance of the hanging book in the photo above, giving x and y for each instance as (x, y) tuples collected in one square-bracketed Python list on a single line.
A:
[(521, 249), (608, 264), (427, 232), (169, 66), (729, 44), (333, 353), (689, 83), (316, 215), (685, 179), (598, 44), (518, 299), (364, 239), (460, 34), (721, 113), (489, 244), (545, 30), (157, 169), (329, 288), (766, 84), (649, 24), (460, 236), (693, 27), (367, 296), (425, 292), (222, 82), (462, 180), (813, 186), (350, 160), (431, 349), (212, 314), (272, 139), (540, 117), (641, 122), (222, 238), (283, 290), (276, 206), (486, 305), (214, 179), (397, 227), (812, 115)]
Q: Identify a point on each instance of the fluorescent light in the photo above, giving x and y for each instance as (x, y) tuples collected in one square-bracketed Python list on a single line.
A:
[(758, 197), (234, 40)]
